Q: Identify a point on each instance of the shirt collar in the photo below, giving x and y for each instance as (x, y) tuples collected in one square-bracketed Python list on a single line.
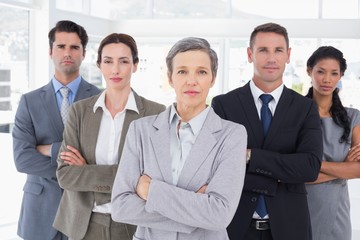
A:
[(195, 123), (256, 92), (130, 105), (73, 85)]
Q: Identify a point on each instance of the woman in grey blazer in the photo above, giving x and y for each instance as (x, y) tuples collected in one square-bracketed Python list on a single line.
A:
[(93, 142), (182, 171)]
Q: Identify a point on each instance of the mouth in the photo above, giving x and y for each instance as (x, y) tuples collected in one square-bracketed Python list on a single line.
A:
[(191, 93), (67, 62), (116, 79), (326, 88)]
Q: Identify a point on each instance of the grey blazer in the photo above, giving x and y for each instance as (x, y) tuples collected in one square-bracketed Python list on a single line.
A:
[(38, 121), (83, 186), (217, 158)]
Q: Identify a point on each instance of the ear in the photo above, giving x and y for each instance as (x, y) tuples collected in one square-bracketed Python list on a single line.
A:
[(288, 53), (135, 67), (249, 54), (308, 70), (171, 83), (84, 54), (213, 82)]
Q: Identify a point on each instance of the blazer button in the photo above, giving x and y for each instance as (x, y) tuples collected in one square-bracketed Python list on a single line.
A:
[(253, 199), (257, 170), (266, 191)]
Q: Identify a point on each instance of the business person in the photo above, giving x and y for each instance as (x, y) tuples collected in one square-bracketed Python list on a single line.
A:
[(38, 129), (93, 142), (284, 143), (182, 171), (328, 196)]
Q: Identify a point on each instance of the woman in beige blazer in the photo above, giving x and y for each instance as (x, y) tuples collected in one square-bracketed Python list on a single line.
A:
[(182, 171), (93, 142)]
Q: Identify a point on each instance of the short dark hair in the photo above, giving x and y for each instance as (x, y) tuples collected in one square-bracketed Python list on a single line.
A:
[(269, 28), (189, 44), (69, 27), (119, 38)]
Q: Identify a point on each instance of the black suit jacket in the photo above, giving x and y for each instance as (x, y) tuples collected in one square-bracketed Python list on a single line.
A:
[(280, 164)]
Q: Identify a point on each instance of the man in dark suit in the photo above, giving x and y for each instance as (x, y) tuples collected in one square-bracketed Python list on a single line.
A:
[(284, 144), (38, 131)]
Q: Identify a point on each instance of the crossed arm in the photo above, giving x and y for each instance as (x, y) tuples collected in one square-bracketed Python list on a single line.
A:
[(349, 168)]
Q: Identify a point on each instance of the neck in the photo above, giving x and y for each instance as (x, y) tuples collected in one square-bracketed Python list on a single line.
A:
[(324, 104), (115, 101), (65, 79), (266, 86), (187, 113)]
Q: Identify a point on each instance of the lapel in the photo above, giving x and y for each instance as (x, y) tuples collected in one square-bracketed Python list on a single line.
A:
[(129, 117), (91, 128), (249, 110), (159, 140), (281, 110), (199, 152), (48, 99), (83, 90)]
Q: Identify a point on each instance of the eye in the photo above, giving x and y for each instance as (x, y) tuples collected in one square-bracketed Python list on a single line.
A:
[(107, 61), (181, 72), (202, 72), (75, 47)]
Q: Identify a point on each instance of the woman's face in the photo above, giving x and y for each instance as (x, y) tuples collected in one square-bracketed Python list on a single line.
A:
[(117, 65), (192, 79), (325, 76)]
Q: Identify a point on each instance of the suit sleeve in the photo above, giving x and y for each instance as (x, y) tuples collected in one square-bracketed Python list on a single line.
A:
[(90, 177), (27, 159), (168, 205), (299, 166)]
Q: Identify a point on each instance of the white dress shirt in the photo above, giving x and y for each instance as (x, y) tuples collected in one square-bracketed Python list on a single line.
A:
[(256, 93), (107, 145)]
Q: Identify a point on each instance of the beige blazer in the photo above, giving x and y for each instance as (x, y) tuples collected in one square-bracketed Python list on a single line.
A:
[(90, 183), (217, 158)]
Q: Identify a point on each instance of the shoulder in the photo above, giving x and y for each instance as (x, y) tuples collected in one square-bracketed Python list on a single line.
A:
[(231, 94), (354, 115), (226, 126), (150, 107), (87, 102)]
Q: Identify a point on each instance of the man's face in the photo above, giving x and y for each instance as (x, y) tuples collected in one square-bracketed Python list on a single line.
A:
[(67, 54), (269, 55)]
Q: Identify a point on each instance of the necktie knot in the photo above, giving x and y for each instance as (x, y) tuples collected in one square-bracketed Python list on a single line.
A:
[(64, 92), (266, 98)]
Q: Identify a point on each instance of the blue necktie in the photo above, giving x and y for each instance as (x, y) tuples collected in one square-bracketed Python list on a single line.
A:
[(266, 117)]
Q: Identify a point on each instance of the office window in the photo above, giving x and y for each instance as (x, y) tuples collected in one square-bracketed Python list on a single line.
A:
[(14, 52)]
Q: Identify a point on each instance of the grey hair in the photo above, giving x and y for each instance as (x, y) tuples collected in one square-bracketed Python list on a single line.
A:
[(190, 44)]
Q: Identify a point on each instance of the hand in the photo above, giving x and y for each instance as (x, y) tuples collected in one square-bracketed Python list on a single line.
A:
[(72, 157), (44, 149), (202, 189), (142, 187), (353, 154)]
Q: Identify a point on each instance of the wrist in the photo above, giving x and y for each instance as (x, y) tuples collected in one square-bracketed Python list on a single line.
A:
[(248, 155)]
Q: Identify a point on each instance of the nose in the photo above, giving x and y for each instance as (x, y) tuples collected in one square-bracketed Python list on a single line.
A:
[(191, 80), (115, 69), (327, 78)]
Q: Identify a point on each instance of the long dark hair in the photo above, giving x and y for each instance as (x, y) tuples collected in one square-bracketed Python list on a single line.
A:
[(337, 110)]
